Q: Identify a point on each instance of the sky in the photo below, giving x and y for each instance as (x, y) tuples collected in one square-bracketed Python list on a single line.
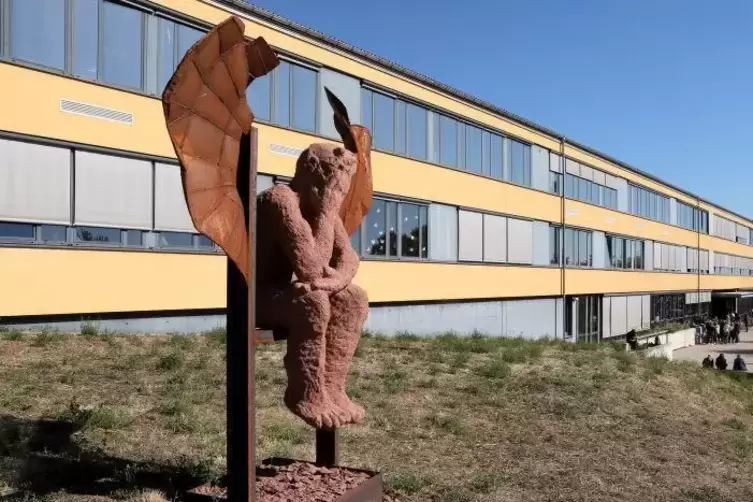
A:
[(663, 85)]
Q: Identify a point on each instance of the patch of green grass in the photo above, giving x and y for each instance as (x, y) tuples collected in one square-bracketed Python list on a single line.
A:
[(625, 361), (284, 433), (89, 329), (483, 483), (580, 347), (182, 342), (734, 423), (394, 380), (455, 494), (171, 362), (522, 353), (448, 423), (405, 336), (12, 335), (459, 360), (655, 366), (217, 335), (494, 369), (405, 483), (100, 417), (47, 337)]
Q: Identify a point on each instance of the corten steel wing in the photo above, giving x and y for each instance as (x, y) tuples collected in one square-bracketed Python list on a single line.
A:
[(357, 139), (207, 114)]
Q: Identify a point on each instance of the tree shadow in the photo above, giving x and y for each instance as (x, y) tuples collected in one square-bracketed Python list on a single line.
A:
[(42, 456)]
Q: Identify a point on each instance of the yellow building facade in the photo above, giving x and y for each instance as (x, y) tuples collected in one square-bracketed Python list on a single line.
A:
[(482, 220)]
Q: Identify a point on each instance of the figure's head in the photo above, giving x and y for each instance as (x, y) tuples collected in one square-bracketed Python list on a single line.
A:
[(322, 176)]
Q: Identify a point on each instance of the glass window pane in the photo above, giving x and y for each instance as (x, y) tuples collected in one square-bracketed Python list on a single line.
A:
[(618, 246), (384, 122), (166, 42), (123, 35), (554, 182), (570, 247), (375, 223), (584, 192), (417, 133), (304, 98), (518, 162), (400, 133), (435, 154), (473, 149), (85, 36), (582, 248), (392, 225), (204, 242), (410, 226), (355, 240), (448, 141), (485, 152), (186, 38), (570, 186), (638, 255), (98, 235), (424, 218), (495, 156), (595, 199), (628, 253), (134, 238), (461, 145), (366, 109), (16, 230), (259, 97), (554, 246), (38, 32), (282, 94), (53, 233), (175, 239)]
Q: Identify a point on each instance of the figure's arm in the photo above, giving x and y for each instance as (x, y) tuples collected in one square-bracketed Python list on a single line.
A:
[(344, 264), (296, 236)]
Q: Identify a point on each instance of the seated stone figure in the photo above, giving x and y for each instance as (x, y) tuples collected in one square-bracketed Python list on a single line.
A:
[(305, 265)]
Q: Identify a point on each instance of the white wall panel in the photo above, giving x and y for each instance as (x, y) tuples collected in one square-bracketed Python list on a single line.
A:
[(495, 238), (443, 232), (170, 208), (519, 241), (634, 312), (646, 311), (619, 315)]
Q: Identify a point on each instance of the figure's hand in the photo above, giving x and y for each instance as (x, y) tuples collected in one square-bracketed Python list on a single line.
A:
[(302, 287), (332, 281)]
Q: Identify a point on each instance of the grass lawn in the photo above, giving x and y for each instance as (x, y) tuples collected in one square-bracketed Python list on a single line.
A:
[(449, 419)]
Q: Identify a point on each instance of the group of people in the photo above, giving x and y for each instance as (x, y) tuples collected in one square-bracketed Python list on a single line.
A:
[(724, 330), (721, 363)]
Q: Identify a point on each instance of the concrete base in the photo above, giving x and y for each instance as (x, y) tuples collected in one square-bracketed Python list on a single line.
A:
[(185, 324), (671, 342)]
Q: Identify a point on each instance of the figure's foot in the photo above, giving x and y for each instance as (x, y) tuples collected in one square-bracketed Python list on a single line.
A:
[(354, 412), (317, 411)]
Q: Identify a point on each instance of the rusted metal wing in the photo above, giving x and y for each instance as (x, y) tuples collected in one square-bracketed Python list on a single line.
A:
[(357, 139), (207, 115)]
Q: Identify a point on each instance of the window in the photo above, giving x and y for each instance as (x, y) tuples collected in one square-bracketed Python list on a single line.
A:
[(584, 191), (692, 218), (173, 41), (400, 227), (570, 186), (448, 141), (98, 235), (204, 242), (417, 133), (400, 127), (624, 253), (16, 231), (175, 239), (520, 163), (122, 51), (495, 156), (52, 233), (555, 244), (38, 32), (85, 38), (287, 97), (555, 183), (134, 238), (473, 149), (648, 204), (384, 122), (578, 248)]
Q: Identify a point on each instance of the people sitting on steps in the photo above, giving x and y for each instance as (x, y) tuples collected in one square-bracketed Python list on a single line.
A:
[(739, 364), (708, 362), (721, 362)]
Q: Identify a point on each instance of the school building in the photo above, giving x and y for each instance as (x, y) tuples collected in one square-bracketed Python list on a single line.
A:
[(482, 220)]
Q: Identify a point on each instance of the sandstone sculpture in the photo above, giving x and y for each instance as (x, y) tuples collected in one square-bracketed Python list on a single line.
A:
[(305, 263)]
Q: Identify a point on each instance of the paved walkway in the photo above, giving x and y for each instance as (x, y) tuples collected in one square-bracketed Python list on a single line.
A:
[(696, 353)]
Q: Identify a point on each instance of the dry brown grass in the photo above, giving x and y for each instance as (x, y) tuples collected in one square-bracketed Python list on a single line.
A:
[(449, 419)]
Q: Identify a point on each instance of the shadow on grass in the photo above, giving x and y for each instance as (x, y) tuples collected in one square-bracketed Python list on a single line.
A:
[(42, 456)]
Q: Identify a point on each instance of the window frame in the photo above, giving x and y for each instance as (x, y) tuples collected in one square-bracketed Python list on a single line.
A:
[(423, 210)]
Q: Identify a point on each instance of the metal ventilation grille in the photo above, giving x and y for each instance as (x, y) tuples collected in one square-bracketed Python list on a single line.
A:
[(285, 150), (95, 111)]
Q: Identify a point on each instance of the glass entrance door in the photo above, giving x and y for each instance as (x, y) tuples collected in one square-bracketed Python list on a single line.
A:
[(588, 319)]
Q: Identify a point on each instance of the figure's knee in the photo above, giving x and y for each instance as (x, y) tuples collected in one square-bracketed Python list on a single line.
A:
[(314, 310), (352, 299)]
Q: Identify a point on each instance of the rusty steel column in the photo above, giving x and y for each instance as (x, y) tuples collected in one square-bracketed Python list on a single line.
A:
[(241, 324)]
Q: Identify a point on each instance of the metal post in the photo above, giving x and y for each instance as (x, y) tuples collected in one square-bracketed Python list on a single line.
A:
[(241, 323), (327, 447)]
